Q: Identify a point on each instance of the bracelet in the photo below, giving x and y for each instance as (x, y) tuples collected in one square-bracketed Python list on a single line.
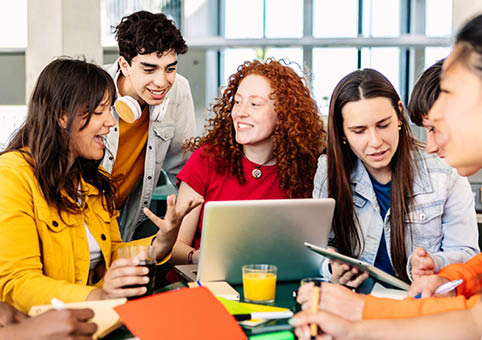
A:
[(189, 256)]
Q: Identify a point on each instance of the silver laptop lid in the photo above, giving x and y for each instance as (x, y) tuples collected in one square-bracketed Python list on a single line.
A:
[(263, 231)]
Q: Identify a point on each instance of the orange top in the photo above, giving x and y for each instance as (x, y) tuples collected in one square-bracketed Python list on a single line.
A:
[(467, 295), (131, 154), (470, 272), (382, 308)]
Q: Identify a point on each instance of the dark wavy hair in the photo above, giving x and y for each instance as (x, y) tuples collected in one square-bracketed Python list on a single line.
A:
[(424, 93), (75, 88), (144, 33), (365, 84), (298, 138)]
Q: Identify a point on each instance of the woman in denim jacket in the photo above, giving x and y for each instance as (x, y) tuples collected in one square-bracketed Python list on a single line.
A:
[(392, 197)]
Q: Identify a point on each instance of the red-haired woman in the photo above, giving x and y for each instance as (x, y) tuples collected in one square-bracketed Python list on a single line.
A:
[(262, 142)]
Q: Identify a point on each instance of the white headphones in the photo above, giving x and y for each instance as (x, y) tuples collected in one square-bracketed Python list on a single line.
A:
[(129, 109)]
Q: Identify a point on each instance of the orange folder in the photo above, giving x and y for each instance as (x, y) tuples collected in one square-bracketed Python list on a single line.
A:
[(184, 314)]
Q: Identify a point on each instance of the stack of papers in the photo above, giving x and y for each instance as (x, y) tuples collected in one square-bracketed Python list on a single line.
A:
[(234, 307), (383, 292), (218, 288)]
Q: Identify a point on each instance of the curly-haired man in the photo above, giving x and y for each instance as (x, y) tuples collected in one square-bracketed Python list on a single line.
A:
[(154, 113)]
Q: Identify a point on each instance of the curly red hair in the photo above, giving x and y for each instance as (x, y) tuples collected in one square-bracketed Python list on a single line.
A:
[(298, 138)]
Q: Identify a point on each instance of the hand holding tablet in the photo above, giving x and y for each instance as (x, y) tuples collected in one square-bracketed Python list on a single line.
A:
[(362, 266)]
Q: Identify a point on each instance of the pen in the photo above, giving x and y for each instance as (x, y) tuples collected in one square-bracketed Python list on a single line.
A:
[(199, 283), (445, 288), (264, 315), (314, 308), (57, 304)]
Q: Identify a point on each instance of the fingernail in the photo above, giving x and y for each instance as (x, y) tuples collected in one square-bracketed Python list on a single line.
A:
[(293, 321)]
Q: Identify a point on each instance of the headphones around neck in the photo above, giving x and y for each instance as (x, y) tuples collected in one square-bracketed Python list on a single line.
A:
[(129, 109)]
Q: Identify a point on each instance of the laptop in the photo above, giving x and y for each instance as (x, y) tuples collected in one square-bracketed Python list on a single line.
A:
[(236, 233)]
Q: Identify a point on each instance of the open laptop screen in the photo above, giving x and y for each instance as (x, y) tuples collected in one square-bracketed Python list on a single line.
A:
[(263, 231)]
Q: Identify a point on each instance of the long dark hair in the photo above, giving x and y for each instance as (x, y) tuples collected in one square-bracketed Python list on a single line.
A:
[(365, 84), (65, 87), (298, 138)]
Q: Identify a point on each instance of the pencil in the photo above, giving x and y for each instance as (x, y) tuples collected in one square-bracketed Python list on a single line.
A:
[(314, 308)]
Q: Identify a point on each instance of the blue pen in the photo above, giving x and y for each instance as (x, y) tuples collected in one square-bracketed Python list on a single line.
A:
[(445, 288), (199, 283)]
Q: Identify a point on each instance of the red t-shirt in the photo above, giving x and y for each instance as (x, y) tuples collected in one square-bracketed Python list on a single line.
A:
[(200, 174)]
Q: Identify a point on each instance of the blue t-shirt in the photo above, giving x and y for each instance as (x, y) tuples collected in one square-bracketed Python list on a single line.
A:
[(382, 191)]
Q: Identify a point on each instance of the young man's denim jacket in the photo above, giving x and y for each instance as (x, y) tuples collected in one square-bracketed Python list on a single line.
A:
[(163, 150), (443, 218)]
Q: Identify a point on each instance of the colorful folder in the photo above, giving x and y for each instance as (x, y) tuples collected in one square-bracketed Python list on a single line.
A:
[(184, 314)]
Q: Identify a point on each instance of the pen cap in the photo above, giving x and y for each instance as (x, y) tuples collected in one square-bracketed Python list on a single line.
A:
[(283, 335)]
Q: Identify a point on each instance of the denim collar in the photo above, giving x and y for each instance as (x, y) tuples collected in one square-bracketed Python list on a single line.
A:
[(362, 185)]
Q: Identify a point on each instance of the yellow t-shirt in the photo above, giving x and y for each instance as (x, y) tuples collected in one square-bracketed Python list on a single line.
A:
[(131, 154)]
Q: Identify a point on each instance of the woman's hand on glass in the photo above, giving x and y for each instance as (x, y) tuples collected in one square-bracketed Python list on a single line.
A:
[(125, 278)]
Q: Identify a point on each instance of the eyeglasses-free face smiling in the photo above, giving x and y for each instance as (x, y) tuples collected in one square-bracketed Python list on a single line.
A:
[(253, 113), (149, 77), (88, 142), (457, 115), (371, 129)]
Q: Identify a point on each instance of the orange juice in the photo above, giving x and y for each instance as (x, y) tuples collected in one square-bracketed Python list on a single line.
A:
[(259, 287)]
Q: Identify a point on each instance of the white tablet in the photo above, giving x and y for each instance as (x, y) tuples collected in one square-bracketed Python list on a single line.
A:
[(363, 266)]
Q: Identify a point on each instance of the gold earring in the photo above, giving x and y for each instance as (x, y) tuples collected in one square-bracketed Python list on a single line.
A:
[(344, 140), (400, 127)]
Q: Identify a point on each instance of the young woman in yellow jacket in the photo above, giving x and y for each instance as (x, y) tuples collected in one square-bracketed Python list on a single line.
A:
[(58, 228)]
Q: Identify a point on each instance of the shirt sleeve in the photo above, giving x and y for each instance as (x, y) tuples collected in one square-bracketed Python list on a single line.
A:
[(22, 279), (383, 308), (196, 172), (459, 225), (470, 272), (185, 128)]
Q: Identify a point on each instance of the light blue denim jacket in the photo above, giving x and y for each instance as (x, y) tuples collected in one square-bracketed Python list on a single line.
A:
[(443, 218), (163, 150)]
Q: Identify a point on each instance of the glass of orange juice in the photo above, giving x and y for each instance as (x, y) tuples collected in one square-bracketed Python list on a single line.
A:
[(259, 283)]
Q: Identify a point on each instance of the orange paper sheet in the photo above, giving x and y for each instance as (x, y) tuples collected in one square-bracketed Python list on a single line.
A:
[(184, 314)]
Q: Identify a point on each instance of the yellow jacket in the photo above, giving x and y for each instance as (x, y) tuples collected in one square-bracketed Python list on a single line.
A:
[(42, 255)]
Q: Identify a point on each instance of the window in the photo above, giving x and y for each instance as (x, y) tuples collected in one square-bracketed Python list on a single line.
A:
[(248, 19), (244, 19), (438, 18), (233, 57), (285, 19), (385, 60), (335, 18), (13, 24), (325, 76), (433, 54), (112, 12), (11, 117), (381, 18)]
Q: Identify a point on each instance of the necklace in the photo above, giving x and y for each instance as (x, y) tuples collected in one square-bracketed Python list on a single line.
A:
[(257, 173)]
